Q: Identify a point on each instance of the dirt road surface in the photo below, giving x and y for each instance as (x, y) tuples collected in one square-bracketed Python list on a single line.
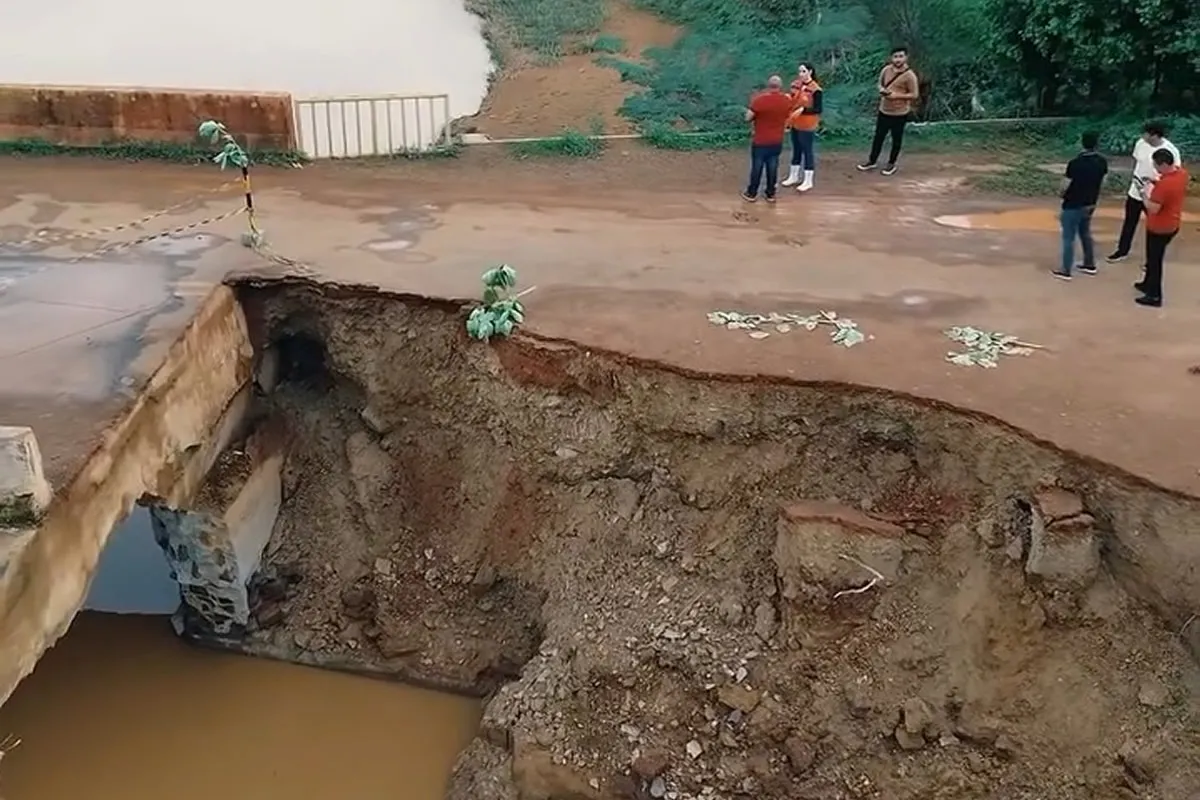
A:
[(628, 252)]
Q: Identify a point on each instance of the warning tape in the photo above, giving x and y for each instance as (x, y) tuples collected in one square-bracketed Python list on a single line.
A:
[(191, 226), (73, 235)]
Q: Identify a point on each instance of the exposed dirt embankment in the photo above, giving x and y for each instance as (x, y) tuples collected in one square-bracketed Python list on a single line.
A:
[(686, 586)]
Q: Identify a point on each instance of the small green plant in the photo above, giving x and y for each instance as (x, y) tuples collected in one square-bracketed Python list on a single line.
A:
[(606, 43), (502, 311), (231, 153), (570, 143)]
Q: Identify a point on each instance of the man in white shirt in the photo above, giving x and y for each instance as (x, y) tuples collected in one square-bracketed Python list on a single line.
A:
[(1154, 137)]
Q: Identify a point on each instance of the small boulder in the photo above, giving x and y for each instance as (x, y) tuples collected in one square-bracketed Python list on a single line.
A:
[(651, 764), (916, 716), (908, 740), (1056, 503), (800, 754), (738, 698), (1153, 693)]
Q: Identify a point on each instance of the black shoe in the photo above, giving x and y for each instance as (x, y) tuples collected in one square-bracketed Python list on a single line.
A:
[(1147, 300), (1116, 256), (749, 198), (867, 167), (890, 169), (1086, 270), (1062, 276), (1140, 286), (770, 198)]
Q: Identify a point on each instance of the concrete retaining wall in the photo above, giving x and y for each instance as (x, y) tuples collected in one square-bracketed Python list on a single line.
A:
[(98, 115), (147, 451)]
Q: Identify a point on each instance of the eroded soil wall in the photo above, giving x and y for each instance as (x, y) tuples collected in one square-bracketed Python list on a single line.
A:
[(100, 115), (663, 580)]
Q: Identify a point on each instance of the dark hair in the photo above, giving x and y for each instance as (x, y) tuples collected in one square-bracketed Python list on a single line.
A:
[(1155, 128), (808, 67), (1163, 156), (900, 49), (1090, 140)]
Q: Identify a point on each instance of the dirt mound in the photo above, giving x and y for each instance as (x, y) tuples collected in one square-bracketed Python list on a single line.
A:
[(530, 98), (687, 588)]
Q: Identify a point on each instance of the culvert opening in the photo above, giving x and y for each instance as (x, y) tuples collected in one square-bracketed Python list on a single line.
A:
[(668, 584)]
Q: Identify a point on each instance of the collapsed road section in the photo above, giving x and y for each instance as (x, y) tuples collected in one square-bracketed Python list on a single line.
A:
[(666, 584)]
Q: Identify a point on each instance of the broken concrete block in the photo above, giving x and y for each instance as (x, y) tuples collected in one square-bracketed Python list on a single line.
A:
[(817, 545), (215, 548), (1063, 551), (24, 492)]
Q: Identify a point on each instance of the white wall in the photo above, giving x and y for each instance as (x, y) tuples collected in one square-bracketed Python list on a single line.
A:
[(352, 47)]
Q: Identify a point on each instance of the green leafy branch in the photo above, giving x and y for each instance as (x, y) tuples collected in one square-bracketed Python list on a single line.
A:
[(231, 153), (845, 331), (984, 348), (502, 310)]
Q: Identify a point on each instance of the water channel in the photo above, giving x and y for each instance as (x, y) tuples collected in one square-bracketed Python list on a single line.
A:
[(121, 708)]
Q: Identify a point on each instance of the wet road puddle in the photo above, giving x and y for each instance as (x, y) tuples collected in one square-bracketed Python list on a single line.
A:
[(120, 708), (1041, 220)]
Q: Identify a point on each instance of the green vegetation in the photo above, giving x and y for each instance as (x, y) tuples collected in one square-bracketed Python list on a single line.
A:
[(144, 151), (570, 143), (606, 43), (1116, 62), (541, 27)]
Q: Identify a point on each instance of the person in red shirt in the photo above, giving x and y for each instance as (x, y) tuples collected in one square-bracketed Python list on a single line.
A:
[(768, 115), (1164, 215)]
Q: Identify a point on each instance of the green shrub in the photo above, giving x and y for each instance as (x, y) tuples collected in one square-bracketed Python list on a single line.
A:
[(606, 43), (630, 71), (570, 143)]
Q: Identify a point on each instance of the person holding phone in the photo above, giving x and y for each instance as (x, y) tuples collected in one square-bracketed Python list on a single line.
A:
[(1153, 138), (898, 90), (1163, 199)]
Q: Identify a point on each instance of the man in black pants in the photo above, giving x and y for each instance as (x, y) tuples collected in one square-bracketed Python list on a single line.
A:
[(1153, 138), (898, 90)]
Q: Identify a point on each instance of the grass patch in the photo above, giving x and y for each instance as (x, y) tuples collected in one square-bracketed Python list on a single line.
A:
[(569, 144), (606, 43), (1030, 179), (630, 71), (537, 26), (144, 151)]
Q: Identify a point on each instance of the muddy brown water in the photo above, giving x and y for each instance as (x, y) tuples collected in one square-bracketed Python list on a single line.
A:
[(121, 708)]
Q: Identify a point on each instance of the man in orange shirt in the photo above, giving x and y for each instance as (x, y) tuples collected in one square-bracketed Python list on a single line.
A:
[(1164, 215), (768, 114)]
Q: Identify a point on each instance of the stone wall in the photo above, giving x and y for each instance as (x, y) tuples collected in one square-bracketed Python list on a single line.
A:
[(98, 115)]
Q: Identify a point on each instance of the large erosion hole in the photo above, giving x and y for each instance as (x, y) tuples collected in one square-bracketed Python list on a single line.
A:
[(683, 586)]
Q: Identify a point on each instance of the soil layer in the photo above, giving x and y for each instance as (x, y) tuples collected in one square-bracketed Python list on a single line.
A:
[(688, 586)]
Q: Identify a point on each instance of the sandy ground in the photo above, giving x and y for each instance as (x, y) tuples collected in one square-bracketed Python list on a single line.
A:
[(628, 252)]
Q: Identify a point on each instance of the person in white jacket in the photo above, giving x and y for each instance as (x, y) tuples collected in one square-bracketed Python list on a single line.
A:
[(1154, 137)]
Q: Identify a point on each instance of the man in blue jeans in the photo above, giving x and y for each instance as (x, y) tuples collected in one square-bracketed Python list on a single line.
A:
[(768, 114), (1080, 192)]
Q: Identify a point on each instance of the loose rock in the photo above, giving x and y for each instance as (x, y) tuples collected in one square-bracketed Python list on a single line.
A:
[(800, 754)]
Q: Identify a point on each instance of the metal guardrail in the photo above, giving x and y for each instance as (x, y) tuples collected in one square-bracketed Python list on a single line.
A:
[(381, 125)]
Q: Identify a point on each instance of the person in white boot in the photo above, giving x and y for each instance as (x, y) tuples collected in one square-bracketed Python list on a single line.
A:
[(807, 104)]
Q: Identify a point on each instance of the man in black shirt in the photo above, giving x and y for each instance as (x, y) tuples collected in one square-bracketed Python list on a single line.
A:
[(1080, 193)]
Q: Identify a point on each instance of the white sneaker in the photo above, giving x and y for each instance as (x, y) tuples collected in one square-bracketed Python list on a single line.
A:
[(793, 176), (808, 181)]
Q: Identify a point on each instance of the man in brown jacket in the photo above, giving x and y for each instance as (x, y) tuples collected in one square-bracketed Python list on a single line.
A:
[(898, 90)]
